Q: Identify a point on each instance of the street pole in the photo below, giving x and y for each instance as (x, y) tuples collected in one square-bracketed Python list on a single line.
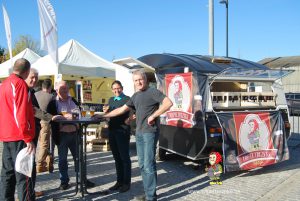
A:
[(211, 27), (227, 28), (226, 4)]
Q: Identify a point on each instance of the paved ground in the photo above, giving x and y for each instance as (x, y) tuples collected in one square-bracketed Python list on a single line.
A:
[(178, 180)]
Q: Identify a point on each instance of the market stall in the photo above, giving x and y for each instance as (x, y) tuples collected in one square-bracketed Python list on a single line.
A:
[(87, 72), (204, 89)]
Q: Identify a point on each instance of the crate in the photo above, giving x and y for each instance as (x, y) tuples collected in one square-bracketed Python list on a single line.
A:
[(250, 99), (226, 99), (219, 99), (234, 99), (267, 99), (100, 145)]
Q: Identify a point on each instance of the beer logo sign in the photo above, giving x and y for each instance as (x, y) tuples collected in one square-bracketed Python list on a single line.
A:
[(254, 134), (179, 92)]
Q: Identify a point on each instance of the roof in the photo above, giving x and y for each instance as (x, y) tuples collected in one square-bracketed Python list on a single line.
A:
[(27, 53), (75, 59), (281, 62), (199, 63)]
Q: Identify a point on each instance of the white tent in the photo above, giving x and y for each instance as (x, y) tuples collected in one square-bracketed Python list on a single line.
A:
[(75, 60), (27, 54)]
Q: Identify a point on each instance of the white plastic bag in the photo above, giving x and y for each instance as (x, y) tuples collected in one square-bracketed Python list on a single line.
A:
[(24, 162)]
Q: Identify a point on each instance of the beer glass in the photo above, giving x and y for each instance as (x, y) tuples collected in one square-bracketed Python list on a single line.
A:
[(83, 110), (64, 110), (92, 111)]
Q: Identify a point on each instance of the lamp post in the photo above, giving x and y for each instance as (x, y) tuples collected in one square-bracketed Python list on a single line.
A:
[(226, 4)]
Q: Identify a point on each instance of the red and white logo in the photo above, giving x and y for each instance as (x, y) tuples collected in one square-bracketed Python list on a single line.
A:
[(254, 134), (179, 90)]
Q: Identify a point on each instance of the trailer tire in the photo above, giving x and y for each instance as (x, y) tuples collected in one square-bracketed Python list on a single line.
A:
[(161, 154)]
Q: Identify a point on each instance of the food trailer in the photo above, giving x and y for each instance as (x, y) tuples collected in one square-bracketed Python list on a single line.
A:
[(215, 103)]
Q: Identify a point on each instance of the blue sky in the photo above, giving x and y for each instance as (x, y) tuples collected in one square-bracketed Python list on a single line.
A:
[(115, 29)]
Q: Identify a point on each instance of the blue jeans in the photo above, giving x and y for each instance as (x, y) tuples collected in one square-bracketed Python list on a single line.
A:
[(119, 143), (67, 141), (146, 149)]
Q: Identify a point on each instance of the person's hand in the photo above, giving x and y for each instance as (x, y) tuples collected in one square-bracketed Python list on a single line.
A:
[(105, 108), (30, 147), (68, 116), (151, 120), (57, 117), (129, 119), (96, 117)]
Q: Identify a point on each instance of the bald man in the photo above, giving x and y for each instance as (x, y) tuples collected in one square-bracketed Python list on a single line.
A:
[(17, 131), (64, 135)]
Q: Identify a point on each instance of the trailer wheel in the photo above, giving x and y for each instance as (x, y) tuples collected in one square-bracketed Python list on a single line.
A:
[(161, 154)]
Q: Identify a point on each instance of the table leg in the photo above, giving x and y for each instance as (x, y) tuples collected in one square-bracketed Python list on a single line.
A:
[(77, 161), (82, 163)]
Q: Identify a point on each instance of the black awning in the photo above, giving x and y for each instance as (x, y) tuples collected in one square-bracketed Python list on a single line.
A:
[(198, 63)]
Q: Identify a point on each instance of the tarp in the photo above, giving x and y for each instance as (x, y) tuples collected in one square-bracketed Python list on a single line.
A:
[(28, 54), (75, 60), (253, 140)]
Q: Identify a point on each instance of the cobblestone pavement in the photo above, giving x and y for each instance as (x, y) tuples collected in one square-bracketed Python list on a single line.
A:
[(178, 179)]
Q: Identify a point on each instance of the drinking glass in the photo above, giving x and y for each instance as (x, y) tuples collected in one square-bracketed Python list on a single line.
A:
[(92, 111), (105, 108), (83, 110), (64, 110)]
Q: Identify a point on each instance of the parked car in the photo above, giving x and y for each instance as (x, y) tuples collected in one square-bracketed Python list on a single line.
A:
[(293, 101)]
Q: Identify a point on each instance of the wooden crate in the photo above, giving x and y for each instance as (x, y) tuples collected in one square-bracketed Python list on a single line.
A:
[(100, 145), (249, 99), (267, 99)]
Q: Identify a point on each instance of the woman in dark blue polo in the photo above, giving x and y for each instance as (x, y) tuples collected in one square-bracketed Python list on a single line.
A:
[(119, 138)]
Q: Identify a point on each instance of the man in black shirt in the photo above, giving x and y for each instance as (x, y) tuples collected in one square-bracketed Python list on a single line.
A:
[(149, 103)]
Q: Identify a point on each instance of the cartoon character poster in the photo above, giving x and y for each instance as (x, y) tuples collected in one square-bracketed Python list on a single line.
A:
[(179, 90), (253, 140)]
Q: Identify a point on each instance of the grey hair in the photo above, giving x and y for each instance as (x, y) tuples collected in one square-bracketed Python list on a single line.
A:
[(62, 82), (33, 70), (140, 72)]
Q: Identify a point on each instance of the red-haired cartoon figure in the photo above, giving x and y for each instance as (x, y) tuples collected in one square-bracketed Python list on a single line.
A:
[(178, 93), (254, 135), (215, 169)]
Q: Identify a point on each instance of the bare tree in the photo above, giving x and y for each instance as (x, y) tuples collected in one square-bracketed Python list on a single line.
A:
[(24, 42)]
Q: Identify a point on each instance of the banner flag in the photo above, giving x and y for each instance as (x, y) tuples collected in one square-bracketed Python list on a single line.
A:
[(253, 140), (179, 90), (7, 31), (48, 29)]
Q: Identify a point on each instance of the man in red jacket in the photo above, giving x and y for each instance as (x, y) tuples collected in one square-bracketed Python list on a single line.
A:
[(17, 131)]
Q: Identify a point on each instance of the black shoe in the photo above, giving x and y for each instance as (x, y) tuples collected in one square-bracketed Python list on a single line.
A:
[(140, 198), (64, 186), (115, 187), (124, 188), (90, 184)]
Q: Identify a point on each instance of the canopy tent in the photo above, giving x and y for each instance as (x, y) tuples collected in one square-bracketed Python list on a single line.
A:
[(28, 54), (75, 60)]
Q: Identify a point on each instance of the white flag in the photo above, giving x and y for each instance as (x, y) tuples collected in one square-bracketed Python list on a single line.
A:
[(48, 29), (7, 30)]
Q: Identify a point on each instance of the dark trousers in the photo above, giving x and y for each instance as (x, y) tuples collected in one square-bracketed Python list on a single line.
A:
[(10, 178), (119, 143)]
